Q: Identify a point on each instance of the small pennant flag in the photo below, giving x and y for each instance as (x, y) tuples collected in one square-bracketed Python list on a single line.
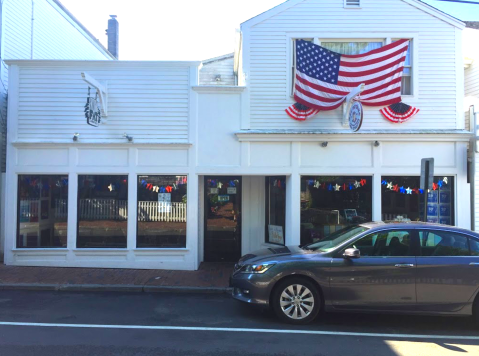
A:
[(399, 113), (300, 112)]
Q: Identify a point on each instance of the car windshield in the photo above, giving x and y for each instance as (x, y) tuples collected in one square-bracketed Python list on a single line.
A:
[(336, 239)]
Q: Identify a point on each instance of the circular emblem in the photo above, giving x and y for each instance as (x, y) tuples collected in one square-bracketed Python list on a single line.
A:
[(355, 116)]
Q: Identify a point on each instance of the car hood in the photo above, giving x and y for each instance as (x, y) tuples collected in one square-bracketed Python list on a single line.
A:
[(268, 253)]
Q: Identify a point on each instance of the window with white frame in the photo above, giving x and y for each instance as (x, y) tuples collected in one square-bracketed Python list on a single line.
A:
[(352, 47)]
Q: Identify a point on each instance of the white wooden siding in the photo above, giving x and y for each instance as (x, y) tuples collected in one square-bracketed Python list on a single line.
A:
[(223, 67), (150, 104), (269, 64)]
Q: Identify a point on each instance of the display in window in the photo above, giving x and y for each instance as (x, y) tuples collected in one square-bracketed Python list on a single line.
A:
[(329, 204), (42, 211), (162, 207), (402, 200), (317, 67)]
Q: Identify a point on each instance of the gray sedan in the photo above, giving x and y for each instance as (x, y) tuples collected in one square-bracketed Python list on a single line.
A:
[(378, 267)]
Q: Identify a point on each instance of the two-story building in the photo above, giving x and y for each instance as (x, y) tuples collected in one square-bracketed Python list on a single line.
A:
[(38, 29), (178, 173)]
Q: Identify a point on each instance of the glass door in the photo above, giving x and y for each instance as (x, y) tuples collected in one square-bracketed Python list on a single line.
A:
[(222, 219)]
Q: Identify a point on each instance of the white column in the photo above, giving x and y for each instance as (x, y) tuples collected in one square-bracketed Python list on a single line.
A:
[(72, 211), (463, 193), (192, 218), (293, 210), (132, 210), (376, 188)]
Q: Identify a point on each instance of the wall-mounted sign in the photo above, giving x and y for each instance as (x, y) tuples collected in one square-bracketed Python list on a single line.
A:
[(231, 190), (214, 191), (355, 116), (276, 234), (92, 110), (223, 198)]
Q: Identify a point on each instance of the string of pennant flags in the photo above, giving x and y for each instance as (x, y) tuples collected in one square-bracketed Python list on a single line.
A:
[(44, 183), (213, 183), (403, 190), (161, 188), (335, 187)]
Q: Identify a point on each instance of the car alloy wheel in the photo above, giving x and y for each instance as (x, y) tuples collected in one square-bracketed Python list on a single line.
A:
[(297, 302)]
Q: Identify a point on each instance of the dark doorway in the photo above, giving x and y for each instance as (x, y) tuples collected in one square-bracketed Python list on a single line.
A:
[(222, 219)]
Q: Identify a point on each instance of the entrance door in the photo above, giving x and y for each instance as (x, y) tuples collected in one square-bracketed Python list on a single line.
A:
[(222, 219)]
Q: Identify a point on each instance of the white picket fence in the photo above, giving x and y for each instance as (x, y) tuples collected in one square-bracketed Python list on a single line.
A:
[(161, 211), (109, 209)]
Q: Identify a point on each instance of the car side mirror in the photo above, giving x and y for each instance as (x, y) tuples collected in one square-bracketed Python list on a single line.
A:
[(350, 253)]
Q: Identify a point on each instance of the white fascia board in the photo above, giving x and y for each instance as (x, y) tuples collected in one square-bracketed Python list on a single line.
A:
[(86, 63), (270, 13), (436, 13), (63, 11)]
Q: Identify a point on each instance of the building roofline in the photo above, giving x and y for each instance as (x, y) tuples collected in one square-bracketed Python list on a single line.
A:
[(86, 33), (416, 3), (219, 58), (86, 63)]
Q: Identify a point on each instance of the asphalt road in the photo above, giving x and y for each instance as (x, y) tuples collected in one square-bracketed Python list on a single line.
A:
[(60, 323)]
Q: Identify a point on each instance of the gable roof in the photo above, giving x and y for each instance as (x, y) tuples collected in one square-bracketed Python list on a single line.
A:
[(82, 29), (416, 3)]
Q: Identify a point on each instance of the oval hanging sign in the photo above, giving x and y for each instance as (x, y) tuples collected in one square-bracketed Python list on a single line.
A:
[(355, 116)]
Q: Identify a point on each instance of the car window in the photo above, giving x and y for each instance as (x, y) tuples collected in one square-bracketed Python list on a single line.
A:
[(474, 246), (385, 243), (443, 243)]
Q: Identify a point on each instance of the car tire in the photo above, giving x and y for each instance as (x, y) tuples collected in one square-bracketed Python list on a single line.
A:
[(296, 301)]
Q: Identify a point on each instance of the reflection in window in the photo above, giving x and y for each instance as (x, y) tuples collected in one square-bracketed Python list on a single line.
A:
[(275, 209), (402, 200), (329, 204), (161, 211), (42, 211), (102, 211), (443, 243), (388, 243)]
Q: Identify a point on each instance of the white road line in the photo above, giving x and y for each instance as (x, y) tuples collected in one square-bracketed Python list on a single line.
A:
[(271, 331)]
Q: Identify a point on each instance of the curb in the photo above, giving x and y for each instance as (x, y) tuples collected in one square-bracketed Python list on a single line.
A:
[(113, 288)]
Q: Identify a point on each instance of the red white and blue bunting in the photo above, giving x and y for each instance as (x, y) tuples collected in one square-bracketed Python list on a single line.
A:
[(403, 190)]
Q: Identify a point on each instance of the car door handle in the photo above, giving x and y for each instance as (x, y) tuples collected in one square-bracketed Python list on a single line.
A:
[(474, 264), (404, 265)]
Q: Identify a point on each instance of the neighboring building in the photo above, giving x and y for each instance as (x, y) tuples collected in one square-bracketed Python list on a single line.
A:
[(218, 71), (183, 173), (39, 29)]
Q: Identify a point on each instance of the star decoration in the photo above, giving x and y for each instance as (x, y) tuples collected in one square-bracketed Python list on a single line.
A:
[(337, 187), (357, 184), (408, 190), (220, 185), (445, 180), (390, 185), (317, 184), (111, 187), (402, 190)]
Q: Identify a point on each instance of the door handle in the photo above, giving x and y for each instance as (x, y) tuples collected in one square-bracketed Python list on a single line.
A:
[(404, 265), (474, 264)]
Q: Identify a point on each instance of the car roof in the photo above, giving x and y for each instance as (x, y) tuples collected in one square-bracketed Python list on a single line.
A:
[(415, 225)]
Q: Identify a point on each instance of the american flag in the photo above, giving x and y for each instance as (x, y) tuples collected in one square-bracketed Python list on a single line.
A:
[(324, 78)]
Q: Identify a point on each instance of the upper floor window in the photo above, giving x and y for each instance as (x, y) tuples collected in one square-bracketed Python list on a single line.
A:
[(360, 47)]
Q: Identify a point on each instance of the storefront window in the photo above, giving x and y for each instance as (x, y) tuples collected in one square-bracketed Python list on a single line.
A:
[(275, 209), (331, 203), (102, 211), (42, 211), (403, 200), (161, 211)]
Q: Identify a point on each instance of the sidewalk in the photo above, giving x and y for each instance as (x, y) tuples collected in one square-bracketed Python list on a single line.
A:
[(211, 277)]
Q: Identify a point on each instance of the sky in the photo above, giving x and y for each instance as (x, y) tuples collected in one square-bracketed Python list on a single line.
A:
[(188, 29)]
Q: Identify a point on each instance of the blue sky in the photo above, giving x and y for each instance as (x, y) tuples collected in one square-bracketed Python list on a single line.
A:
[(188, 29)]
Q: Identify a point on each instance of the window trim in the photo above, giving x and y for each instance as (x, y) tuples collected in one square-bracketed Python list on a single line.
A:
[(352, 37), (267, 211)]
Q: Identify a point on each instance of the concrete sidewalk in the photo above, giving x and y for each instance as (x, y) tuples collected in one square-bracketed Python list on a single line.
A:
[(210, 278)]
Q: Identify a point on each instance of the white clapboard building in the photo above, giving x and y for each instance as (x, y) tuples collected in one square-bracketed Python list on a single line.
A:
[(39, 29), (136, 165)]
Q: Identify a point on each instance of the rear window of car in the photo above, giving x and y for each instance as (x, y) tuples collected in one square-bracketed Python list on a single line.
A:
[(447, 243)]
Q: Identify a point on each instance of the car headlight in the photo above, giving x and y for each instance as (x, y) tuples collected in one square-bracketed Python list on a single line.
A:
[(256, 268)]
